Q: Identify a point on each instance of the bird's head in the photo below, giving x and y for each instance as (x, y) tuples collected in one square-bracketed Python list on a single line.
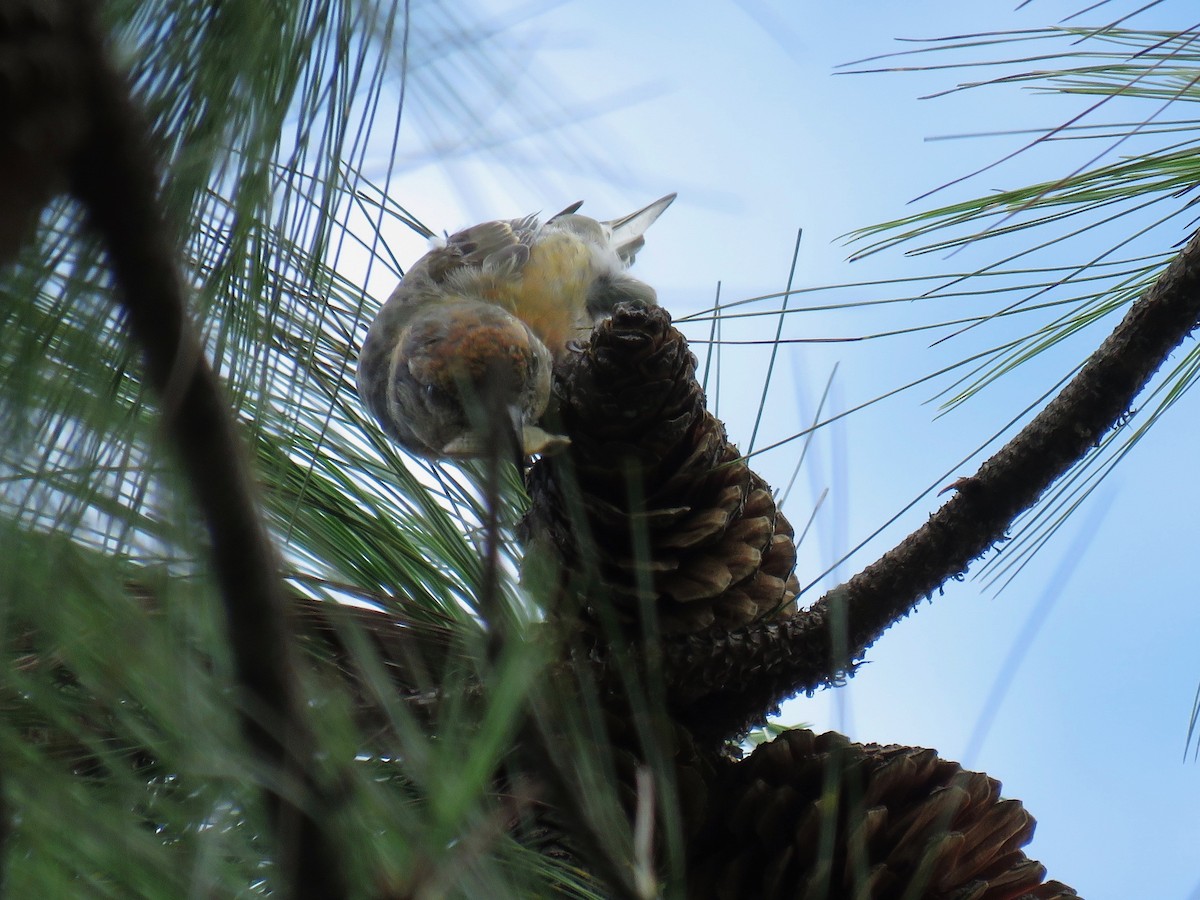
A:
[(467, 378)]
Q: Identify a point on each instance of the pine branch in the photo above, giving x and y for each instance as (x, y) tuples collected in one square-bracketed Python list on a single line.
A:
[(777, 659)]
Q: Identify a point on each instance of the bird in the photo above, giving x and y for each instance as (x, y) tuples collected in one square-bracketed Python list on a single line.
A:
[(461, 354)]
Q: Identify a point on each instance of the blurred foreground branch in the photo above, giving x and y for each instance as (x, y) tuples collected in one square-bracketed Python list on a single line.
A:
[(69, 124)]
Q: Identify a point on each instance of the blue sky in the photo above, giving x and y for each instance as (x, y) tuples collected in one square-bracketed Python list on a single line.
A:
[(737, 108)]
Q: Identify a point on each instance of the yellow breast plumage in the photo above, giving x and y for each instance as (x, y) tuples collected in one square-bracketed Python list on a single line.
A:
[(551, 293)]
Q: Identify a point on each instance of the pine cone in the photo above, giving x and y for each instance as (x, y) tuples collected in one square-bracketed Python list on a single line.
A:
[(820, 817), (668, 509)]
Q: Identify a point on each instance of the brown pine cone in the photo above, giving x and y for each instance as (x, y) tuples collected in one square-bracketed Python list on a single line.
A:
[(665, 509), (820, 817)]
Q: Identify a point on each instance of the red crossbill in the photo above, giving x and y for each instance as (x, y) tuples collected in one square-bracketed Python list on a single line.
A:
[(476, 324)]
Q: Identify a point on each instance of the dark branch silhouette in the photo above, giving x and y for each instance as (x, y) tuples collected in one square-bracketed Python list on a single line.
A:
[(53, 53)]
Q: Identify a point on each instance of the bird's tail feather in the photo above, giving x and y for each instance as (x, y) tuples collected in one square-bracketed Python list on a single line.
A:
[(628, 231)]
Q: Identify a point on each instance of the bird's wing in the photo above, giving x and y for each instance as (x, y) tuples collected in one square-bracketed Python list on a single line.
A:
[(501, 246)]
